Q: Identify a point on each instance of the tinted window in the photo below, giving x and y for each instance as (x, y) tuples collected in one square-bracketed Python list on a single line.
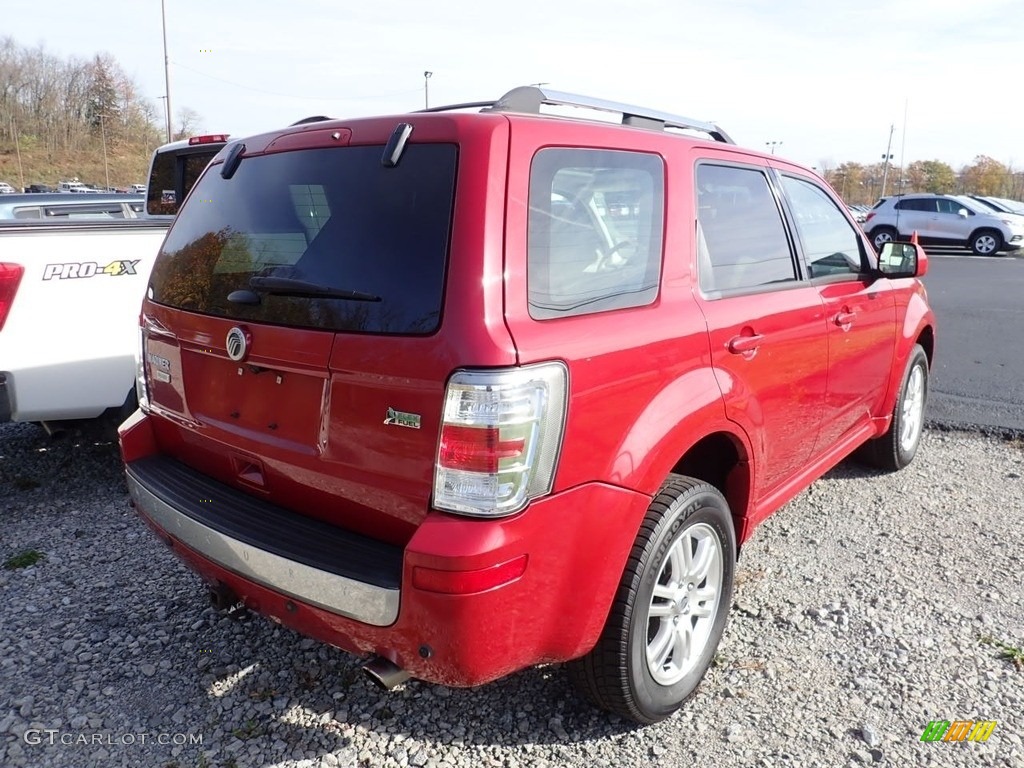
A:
[(334, 218), (161, 178), (595, 230), (917, 204), (831, 245), (741, 240), (173, 174)]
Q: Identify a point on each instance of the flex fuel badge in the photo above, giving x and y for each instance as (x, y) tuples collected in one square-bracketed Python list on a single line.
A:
[(89, 269), (402, 419)]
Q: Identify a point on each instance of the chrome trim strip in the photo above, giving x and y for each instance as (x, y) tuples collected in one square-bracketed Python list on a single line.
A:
[(338, 594)]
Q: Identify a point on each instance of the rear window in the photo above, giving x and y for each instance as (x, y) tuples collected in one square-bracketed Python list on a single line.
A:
[(329, 220), (173, 173)]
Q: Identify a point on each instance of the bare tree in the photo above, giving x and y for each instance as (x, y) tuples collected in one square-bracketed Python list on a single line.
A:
[(189, 122)]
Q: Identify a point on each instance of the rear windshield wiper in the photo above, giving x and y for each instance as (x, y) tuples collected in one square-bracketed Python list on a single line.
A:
[(287, 286)]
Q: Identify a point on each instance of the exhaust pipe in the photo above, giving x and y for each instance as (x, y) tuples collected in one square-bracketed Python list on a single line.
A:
[(385, 674), (54, 428)]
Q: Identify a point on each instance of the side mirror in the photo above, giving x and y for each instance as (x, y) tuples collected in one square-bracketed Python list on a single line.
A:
[(903, 260), (964, 212)]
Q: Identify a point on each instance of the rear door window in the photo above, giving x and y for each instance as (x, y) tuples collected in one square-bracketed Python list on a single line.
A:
[(917, 204), (741, 239), (595, 231), (319, 238)]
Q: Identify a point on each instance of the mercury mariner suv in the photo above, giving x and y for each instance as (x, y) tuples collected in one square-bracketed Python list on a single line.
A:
[(476, 388)]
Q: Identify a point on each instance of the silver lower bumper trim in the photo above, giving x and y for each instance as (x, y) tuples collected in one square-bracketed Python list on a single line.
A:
[(355, 599)]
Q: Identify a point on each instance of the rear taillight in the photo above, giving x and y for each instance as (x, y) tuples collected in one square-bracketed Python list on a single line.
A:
[(141, 386), (500, 438), (869, 217), (10, 278)]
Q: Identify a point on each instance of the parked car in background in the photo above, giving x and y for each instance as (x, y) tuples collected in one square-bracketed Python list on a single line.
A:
[(1000, 204), (944, 220), (175, 168), (37, 188), (72, 186), (467, 392), (73, 270), (58, 206), (859, 212), (6, 189)]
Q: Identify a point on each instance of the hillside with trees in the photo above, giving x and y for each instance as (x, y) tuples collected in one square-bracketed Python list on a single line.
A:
[(58, 118), (863, 184)]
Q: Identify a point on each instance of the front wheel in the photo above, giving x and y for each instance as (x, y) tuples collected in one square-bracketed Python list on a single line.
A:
[(987, 242), (670, 609), (897, 447)]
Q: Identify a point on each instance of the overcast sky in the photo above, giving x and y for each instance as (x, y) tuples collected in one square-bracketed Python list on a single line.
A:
[(826, 78)]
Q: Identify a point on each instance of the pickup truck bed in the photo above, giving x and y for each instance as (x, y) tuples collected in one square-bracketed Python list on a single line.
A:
[(68, 345)]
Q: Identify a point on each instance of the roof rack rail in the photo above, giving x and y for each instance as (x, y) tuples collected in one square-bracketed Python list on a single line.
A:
[(530, 98), (311, 119)]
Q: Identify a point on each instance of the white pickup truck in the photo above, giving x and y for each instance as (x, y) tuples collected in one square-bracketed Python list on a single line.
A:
[(70, 294)]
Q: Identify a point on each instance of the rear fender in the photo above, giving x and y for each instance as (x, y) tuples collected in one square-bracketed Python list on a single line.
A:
[(686, 411)]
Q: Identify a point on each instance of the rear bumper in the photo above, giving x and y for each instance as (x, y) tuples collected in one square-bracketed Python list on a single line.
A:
[(413, 605), (305, 559)]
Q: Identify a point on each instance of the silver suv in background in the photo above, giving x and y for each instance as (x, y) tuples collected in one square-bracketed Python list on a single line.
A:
[(944, 220)]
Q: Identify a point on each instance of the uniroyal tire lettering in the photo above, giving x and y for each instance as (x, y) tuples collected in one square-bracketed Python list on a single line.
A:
[(90, 269)]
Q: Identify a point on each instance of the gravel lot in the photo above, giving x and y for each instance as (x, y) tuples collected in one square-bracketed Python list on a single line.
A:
[(859, 617)]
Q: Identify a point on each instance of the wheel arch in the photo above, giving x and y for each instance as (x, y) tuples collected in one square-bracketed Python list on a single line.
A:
[(721, 460), (926, 338), (986, 228), (918, 327)]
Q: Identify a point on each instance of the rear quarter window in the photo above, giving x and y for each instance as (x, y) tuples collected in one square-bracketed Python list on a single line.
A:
[(595, 231)]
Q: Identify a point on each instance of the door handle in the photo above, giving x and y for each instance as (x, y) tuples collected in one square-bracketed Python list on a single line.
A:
[(740, 344), (844, 318)]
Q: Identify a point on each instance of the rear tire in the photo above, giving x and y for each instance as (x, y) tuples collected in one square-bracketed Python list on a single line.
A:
[(882, 235), (670, 609), (897, 447)]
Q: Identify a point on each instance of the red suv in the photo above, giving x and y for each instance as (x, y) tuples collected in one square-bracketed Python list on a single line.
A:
[(465, 392)]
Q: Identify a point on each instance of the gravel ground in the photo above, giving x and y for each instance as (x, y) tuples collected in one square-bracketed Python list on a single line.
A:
[(859, 617)]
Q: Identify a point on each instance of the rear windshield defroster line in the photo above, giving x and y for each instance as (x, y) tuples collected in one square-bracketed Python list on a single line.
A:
[(328, 237)]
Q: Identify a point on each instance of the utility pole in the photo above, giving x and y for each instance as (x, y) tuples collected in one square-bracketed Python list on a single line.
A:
[(426, 89), (773, 145), (17, 150), (103, 138), (167, 71), (886, 158)]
